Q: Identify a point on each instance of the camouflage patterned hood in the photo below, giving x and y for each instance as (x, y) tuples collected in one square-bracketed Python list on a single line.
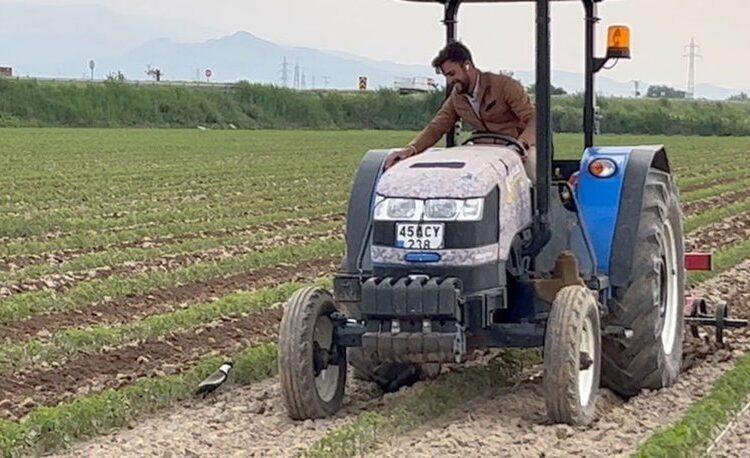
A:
[(460, 172)]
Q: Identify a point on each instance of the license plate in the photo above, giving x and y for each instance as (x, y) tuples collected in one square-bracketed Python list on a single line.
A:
[(427, 236)]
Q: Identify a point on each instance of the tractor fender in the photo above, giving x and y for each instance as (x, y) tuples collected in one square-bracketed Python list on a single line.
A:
[(631, 203), (359, 213), (611, 207)]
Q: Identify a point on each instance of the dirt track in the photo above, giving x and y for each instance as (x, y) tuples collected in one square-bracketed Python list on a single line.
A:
[(250, 421), (515, 423)]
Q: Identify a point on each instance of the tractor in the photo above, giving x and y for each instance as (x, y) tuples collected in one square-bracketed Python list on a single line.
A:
[(456, 249)]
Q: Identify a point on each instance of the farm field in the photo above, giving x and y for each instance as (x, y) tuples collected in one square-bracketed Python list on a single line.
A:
[(133, 262)]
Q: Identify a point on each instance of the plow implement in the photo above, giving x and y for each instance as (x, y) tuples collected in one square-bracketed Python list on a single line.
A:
[(697, 310)]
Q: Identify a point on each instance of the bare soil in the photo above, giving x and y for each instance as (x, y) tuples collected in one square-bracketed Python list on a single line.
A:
[(63, 282), (89, 372), (719, 235), (250, 421), (729, 198), (709, 184), (515, 424), (59, 257), (136, 307)]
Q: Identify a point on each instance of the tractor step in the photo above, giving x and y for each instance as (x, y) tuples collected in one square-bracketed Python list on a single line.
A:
[(696, 314)]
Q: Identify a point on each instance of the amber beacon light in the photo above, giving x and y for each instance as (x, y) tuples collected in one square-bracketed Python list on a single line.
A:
[(618, 42)]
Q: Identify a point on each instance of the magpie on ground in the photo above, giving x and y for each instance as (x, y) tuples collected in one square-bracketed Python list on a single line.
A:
[(215, 380)]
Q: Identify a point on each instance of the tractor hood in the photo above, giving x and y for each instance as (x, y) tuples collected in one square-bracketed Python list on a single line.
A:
[(460, 172)]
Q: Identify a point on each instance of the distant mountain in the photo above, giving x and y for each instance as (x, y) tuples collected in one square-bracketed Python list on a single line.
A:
[(58, 41), (243, 56)]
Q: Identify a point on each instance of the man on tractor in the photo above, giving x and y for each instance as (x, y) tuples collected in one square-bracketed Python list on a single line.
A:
[(488, 102)]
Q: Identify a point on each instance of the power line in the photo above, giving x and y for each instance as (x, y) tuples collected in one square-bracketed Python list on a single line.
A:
[(692, 54), (296, 75), (284, 73)]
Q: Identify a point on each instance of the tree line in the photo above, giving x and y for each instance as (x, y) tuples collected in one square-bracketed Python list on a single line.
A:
[(254, 106)]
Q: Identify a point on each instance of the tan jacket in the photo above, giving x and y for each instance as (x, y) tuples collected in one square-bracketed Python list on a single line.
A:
[(505, 108)]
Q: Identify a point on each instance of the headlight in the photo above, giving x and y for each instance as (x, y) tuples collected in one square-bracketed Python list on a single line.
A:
[(471, 210), (603, 168), (441, 209), (398, 209), (393, 209)]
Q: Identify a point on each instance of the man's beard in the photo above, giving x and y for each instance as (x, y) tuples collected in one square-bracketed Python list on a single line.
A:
[(463, 87)]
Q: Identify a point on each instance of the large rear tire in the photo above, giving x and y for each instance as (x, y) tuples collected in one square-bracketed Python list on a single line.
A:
[(572, 357), (652, 305), (312, 369)]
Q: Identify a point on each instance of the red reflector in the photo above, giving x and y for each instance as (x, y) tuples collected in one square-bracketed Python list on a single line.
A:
[(699, 261)]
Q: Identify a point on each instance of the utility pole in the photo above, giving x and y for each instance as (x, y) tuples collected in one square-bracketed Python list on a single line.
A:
[(636, 88), (326, 80), (296, 75), (285, 73), (304, 85), (313, 82), (692, 54)]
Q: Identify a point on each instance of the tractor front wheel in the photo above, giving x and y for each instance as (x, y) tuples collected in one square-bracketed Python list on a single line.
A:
[(572, 357), (312, 368)]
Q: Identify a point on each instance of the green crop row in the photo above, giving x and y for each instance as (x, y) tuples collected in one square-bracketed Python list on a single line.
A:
[(720, 189), (14, 357), (723, 261), (40, 225), (180, 247), (21, 306), (704, 420), (80, 241), (715, 214), (228, 195), (712, 177)]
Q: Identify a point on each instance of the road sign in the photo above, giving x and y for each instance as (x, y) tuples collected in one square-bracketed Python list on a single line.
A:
[(362, 83), (209, 73)]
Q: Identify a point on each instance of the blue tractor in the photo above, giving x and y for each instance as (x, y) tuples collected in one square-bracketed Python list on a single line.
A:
[(457, 249)]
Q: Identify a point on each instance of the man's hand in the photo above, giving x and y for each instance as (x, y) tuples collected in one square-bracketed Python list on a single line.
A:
[(399, 155)]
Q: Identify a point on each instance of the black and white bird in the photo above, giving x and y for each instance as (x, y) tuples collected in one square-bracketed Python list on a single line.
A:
[(214, 381)]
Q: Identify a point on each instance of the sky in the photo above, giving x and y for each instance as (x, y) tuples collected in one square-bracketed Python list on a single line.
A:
[(500, 36)]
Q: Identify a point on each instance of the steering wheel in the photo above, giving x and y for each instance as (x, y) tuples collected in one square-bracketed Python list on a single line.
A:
[(508, 140)]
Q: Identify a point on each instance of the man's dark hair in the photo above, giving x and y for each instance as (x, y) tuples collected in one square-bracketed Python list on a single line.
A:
[(455, 52)]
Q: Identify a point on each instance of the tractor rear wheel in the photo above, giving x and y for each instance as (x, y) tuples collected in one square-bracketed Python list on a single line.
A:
[(652, 305), (572, 357), (312, 368)]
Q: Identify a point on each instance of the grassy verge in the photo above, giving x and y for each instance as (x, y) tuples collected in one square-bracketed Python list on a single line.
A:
[(705, 419), (22, 306), (50, 428), (448, 392)]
